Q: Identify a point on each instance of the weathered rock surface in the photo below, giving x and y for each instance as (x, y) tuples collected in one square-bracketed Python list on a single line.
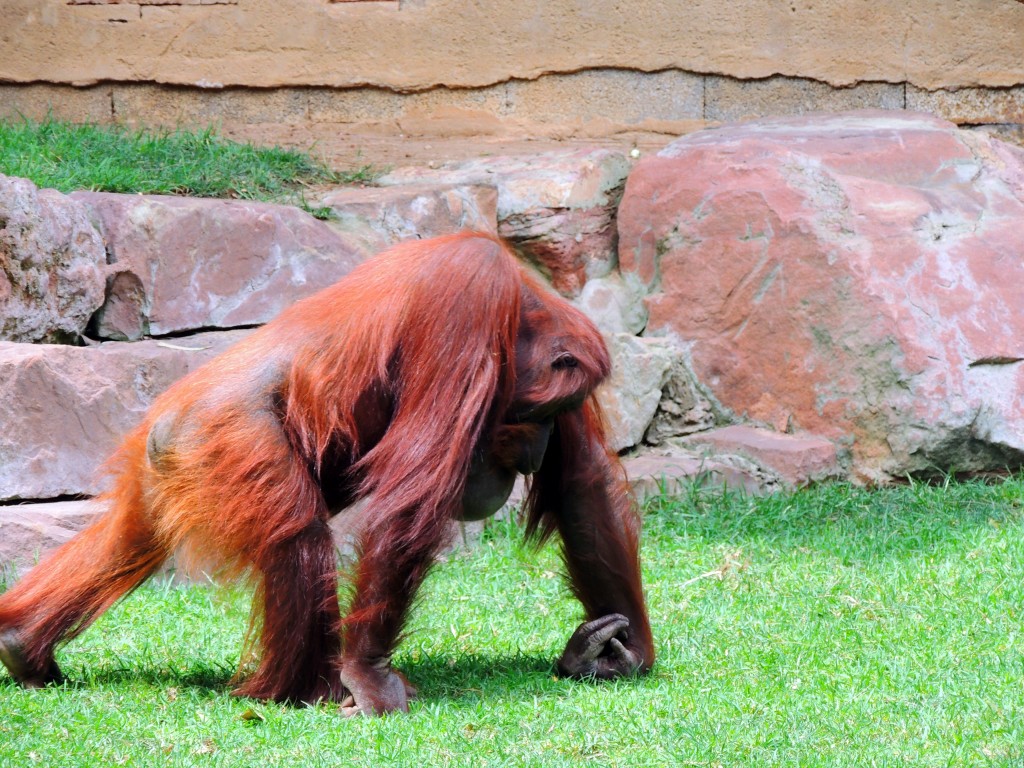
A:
[(182, 264), (28, 532), (859, 276), (798, 460), (51, 264), (614, 303), (683, 408), (386, 215), (630, 395), (557, 207), (676, 471), (64, 409)]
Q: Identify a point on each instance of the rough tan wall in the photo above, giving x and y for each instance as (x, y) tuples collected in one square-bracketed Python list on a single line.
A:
[(418, 44), (560, 68)]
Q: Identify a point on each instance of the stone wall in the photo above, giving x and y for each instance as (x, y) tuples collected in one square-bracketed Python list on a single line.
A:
[(422, 67)]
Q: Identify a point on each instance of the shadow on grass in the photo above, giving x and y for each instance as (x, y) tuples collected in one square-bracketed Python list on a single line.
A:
[(216, 678), (437, 678), (856, 523), (474, 675)]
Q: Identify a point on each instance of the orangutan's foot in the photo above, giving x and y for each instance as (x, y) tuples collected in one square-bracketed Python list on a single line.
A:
[(12, 656)]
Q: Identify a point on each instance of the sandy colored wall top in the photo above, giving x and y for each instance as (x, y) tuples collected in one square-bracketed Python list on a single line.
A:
[(418, 44)]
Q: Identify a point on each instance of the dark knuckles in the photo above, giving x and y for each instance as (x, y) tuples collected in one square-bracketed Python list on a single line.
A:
[(598, 649)]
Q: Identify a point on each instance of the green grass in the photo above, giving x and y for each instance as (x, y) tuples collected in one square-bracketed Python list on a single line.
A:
[(831, 627), (70, 157)]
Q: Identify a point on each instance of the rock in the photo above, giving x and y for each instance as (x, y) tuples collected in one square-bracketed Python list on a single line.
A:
[(683, 408), (387, 215), (183, 264), (614, 303), (28, 532), (630, 395), (65, 409), (858, 276), (798, 460), (557, 207), (673, 473), (51, 264)]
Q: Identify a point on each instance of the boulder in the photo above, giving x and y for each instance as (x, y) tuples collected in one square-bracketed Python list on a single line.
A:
[(674, 472), (797, 460), (858, 276), (630, 395), (28, 532), (64, 409), (684, 408), (184, 264), (386, 215), (557, 207), (52, 264), (614, 303)]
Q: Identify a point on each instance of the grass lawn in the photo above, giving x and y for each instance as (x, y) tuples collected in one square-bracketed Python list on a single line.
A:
[(833, 627), (68, 157)]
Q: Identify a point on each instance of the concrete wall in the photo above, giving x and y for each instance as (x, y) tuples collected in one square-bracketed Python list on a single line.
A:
[(466, 66)]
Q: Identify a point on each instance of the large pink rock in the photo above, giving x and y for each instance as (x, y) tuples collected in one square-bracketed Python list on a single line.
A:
[(859, 276), (557, 207), (182, 264), (52, 264), (64, 409)]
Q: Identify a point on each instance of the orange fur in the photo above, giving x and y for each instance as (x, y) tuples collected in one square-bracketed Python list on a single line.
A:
[(395, 385)]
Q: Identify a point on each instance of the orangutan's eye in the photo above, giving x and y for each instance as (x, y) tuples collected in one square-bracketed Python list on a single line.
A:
[(563, 361)]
